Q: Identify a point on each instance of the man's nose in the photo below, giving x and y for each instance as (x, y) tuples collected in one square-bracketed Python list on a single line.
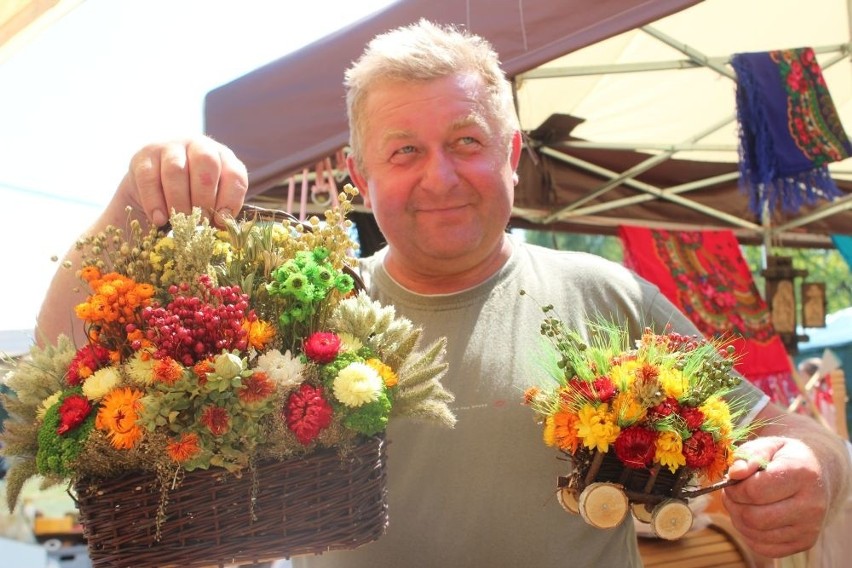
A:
[(440, 172)]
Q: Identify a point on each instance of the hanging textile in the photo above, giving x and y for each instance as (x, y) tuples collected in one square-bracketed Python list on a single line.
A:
[(843, 243), (789, 130), (705, 275)]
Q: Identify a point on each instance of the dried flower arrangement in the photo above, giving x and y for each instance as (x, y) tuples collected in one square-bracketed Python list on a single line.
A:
[(217, 348), (658, 412)]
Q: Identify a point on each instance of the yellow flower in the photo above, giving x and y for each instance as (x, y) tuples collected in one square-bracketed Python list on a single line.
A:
[(164, 248), (46, 404), (549, 434), (100, 383), (670, 451), (717, 416), (627, 409), (673, 382), (597, 427), (388, 375), (357, 384), (624, 373)]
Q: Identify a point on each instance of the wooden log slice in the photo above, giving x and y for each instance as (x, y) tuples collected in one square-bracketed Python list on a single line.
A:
[(671, 519), (603, 505), (641, 512), (567, 497)]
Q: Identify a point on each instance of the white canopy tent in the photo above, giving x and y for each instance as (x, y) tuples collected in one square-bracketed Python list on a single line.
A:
[(622, 127), (667, 89)]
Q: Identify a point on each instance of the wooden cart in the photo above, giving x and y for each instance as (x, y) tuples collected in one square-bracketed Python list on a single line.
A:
[(601, 489)]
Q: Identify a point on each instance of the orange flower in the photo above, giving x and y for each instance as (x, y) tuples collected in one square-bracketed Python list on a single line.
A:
[(89, 273), (530, 394), (186, 448), (256, 388), (721, 462), (202, 369), (167, 370), (565, 431), (259, 333), (119, 411)]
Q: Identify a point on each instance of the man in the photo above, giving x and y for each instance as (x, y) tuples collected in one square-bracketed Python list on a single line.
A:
[(435, 146)]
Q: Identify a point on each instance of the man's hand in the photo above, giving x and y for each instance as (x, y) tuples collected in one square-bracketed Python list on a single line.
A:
[(180, 175), (792, 477)]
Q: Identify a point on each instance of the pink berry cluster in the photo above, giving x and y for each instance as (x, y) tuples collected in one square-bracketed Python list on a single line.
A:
[(191, 328)]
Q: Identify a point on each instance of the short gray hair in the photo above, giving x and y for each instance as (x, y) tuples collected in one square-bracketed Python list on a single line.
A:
[(425, 51)]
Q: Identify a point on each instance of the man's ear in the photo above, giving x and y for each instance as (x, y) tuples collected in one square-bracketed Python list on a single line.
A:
[(359, 180), (517, 147)]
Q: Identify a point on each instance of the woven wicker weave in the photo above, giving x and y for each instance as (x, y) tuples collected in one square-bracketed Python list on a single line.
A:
[(308, 505)]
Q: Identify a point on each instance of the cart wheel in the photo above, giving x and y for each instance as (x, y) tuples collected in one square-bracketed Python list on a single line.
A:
[(641, 512), (671, 519), (603, 505), (567, 497)]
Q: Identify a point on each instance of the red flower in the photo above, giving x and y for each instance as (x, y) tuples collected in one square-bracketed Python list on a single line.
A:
[(256, 388), (322, 347), (87, 360), (635, 446), (308, 413), (699, 450), (667, 407), (73, 411), (601, 389), (693, 417), (216, 419)]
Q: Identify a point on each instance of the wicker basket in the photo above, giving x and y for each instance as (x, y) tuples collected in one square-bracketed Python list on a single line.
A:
[(307, 505)]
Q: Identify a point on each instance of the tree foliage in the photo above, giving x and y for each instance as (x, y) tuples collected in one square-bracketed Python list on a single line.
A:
[(822, 265)]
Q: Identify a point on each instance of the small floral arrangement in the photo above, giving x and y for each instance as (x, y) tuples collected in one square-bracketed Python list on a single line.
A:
[(659, 403), (217, 348)]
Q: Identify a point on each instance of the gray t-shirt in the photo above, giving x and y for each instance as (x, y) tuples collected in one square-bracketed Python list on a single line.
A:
[(484, 493)]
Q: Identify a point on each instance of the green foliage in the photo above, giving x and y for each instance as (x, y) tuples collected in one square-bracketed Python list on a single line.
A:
[(607, 246), (58, 452), (370, 418), (822, 265)]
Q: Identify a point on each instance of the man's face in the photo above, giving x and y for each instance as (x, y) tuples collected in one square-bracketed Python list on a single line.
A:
[(437, 174)]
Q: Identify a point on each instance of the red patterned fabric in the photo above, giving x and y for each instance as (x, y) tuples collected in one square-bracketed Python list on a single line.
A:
[(704, 274)]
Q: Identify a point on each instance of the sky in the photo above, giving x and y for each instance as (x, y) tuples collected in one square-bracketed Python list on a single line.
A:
[(79, 98)]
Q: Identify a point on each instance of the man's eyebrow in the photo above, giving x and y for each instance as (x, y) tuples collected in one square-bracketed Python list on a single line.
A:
[(396, 134), (472, 119), (475, 120)]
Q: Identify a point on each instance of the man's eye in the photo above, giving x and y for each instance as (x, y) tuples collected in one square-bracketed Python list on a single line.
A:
[(464, 140), (405, 150)]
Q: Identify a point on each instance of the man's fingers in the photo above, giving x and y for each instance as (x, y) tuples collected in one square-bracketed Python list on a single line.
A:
[(184, 174), (205, 170), (174, 173), (144, 185), (233, 183)]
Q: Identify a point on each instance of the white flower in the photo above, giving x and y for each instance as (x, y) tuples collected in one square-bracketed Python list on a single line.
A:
[(357, 384), (349, 342), (100, 383), (140, 367), (284, 369), (228, 365)]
